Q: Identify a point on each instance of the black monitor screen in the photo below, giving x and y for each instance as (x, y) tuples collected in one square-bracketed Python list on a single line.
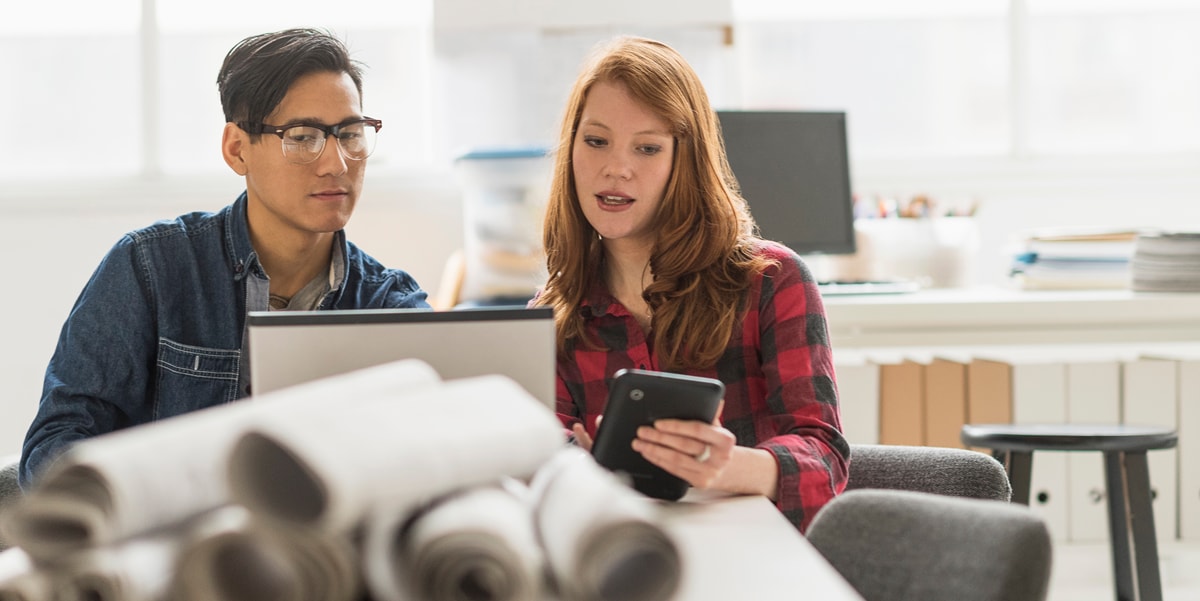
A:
[(794, 171)]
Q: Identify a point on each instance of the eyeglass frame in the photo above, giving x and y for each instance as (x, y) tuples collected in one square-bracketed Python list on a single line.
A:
[(255, 129)]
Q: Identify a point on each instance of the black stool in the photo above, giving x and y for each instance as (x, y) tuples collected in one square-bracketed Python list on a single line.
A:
[(1127, 478)]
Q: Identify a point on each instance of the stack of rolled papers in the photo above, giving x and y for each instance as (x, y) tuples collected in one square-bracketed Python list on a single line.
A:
[(115, 496), (296, 496), (472, 545), (602, 540), (138, 569), (309, 470), (142, 479), (108, 518), (20, 580), (237, 557), (379, 462)]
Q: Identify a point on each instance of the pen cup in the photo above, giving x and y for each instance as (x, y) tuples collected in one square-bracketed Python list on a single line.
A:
[(937, 252)]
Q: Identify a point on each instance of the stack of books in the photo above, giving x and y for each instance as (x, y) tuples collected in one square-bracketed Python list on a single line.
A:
[(1167, 262), (1075, 258)]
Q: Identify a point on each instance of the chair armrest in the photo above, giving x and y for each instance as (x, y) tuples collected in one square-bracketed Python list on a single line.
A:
[(943, 471), (10, 490)]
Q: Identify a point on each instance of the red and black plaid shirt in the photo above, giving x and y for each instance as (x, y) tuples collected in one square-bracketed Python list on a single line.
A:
[(780, 391)]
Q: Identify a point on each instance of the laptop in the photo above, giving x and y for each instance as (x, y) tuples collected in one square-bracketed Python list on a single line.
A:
[(292, 347)]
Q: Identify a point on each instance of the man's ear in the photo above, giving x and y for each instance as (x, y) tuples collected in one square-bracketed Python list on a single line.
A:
[(233, 142)]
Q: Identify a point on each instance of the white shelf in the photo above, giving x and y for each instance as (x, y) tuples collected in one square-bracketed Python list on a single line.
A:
[(997, 316)]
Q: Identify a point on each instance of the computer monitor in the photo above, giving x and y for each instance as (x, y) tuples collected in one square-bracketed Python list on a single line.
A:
[(793, 168)]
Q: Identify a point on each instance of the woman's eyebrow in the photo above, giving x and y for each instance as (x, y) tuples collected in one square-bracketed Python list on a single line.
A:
[(656, 132)]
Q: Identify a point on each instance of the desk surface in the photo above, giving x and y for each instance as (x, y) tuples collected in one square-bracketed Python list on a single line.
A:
[(743, 548), (1005, 316)]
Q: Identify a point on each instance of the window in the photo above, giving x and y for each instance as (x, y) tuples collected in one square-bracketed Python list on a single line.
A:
[(912, 87), (72, 81), (1117, 76), (127, 87), (516, 97), (83, 101)]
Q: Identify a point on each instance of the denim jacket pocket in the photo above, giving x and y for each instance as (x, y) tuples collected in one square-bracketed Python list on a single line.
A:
[(191, 377)]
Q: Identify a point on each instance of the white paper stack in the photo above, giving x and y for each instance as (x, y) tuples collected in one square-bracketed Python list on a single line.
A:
[(1167, 262)]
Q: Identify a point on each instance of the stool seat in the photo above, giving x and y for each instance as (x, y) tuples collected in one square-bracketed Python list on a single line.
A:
[(1069, 437)]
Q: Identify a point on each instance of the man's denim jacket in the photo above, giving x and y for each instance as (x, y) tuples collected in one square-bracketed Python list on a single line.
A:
[(159, 329)]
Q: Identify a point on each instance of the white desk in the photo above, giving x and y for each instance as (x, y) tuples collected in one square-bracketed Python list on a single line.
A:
[(743, 548), (986, 316)]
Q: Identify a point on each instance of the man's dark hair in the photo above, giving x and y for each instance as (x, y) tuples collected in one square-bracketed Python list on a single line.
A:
[(258, 71)]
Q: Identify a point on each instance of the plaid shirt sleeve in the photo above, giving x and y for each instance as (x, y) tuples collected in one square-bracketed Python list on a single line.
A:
[(798, 419)]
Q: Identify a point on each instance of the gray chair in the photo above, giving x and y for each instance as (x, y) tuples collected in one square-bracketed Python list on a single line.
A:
[(894, 545), (10, 491), (943, 471)]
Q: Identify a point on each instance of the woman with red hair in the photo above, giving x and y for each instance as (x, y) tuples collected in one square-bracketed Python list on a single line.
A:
[(655, 264)]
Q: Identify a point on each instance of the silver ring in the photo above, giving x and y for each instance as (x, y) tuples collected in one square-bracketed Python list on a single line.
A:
[(703, 456)]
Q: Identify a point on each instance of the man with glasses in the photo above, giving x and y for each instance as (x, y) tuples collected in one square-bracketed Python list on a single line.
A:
[(159, 330)]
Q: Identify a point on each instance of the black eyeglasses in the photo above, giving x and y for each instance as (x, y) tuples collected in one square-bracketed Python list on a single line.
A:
[(304, 142)]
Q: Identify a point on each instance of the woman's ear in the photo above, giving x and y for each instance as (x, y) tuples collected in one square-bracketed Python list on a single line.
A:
[(233, 142)]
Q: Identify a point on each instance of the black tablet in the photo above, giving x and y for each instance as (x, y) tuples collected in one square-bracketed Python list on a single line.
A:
[(638, 398)]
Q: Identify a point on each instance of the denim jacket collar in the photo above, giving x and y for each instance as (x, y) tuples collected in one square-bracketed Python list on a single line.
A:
[(243, 259)]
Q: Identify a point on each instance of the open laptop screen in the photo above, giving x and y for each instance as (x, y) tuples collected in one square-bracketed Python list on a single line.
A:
[(291, 347)]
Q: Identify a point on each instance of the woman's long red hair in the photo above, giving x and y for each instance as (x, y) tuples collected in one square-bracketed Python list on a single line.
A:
[(705, 255)]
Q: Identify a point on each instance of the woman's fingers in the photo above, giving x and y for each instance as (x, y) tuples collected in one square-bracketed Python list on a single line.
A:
[(581, 437), (694, 451), (688, 444)]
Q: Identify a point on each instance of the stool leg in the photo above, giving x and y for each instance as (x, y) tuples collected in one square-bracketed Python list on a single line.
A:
[(1118, 526), (1131, 526), (1019, 465)]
